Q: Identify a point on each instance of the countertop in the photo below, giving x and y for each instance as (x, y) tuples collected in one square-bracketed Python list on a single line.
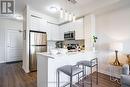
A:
[(69, 54)]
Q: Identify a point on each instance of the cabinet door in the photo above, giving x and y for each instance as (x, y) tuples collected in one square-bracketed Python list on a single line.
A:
[(38, 24), (61, 33), (79, 30), (53, 32), (43, 25), (76, 26), (49, 26), (35, 23), (71, 26)]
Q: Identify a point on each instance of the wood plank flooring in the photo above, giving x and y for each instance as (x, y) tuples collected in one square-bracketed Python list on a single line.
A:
[(12, 75)]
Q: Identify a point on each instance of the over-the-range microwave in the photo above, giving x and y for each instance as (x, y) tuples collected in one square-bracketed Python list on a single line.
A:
[(70, 35)]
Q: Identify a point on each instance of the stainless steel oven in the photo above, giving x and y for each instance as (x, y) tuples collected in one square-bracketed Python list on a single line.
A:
[(70, 35)]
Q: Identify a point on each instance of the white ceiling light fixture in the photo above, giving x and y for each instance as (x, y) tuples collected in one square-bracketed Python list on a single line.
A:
[(68, 16), (61, 13), (53, 8), (74, 18)]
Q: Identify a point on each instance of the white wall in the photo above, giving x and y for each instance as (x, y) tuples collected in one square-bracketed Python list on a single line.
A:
[(27, 26), (6, 24), (89, 31), (112, 27)]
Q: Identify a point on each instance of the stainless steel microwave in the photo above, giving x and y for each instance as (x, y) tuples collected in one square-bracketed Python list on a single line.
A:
[(70, 35)]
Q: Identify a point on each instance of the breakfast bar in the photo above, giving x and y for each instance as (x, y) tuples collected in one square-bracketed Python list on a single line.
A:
[(48, 64)]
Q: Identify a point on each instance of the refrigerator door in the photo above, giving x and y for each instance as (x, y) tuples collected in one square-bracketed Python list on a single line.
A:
[(33, 57), (38, 39), (38, 43)]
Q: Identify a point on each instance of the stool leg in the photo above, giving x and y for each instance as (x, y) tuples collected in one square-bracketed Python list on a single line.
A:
[(78, 76), (83, 71), (58, 74), (91, 77), (83, 80), (97, 73), (78, 79), (70, 81)]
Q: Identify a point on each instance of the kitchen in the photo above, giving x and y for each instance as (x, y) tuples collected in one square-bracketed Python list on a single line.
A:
[(43, 39), (69, 36), (63, 39), (70, 39)]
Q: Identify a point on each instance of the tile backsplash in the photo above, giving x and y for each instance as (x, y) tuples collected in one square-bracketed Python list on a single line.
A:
[(52, 44), (80, 42)]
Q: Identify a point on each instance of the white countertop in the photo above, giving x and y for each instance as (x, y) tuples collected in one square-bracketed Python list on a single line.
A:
[(70, 54)]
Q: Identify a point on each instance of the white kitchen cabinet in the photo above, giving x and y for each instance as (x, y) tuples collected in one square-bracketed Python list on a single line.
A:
[(61, 33), (35, 23), (53, 32), (39, 24), (76, 26), (79, 29)]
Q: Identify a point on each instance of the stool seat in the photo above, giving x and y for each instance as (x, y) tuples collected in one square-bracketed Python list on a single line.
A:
[(70, 70), (87, 63)]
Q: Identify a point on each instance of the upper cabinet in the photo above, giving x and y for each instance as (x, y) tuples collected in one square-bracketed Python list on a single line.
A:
[(61, 32), (56, 32), (53, 32), (40, 24), (76, 26), (79, 29)]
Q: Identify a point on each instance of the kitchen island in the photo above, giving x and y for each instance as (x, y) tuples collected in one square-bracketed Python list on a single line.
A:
[(48, 63)]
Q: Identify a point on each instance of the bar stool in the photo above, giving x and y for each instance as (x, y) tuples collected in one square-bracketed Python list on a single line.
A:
[(92, 63), (71, 71)]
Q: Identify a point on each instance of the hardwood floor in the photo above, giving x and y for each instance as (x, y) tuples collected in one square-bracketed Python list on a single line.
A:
[(12, 75)]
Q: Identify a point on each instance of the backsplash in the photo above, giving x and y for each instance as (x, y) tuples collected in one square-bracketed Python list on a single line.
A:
[(52, 44), (70, 42), (80, 42)]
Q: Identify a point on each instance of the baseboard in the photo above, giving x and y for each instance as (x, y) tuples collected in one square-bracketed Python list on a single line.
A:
[(14, 62)]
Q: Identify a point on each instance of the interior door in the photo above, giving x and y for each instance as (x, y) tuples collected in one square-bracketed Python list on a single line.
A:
[(14, 46)]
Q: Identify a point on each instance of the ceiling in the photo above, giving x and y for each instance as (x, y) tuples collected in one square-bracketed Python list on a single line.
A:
[(81, 8)]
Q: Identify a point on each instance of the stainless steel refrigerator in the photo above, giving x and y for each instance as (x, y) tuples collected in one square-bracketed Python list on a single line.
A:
[(37, 43)]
